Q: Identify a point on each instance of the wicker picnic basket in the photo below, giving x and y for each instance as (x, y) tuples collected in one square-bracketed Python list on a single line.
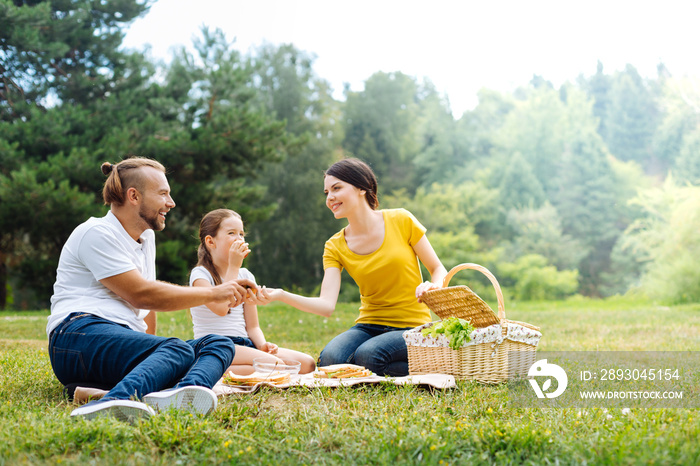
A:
[(500, 349)]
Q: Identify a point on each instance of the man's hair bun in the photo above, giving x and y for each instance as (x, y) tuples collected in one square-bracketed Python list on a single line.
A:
[(107, 168)]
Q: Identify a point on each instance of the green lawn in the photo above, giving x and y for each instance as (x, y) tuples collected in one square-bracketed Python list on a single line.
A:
[(371, 424)]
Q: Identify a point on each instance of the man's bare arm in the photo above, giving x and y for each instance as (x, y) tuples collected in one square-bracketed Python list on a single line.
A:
[(161, 296)]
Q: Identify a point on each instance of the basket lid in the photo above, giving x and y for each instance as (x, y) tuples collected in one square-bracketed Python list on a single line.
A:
[(460, 301)]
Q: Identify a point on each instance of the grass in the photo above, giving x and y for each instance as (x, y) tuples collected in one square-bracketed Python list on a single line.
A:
[(372, 424)]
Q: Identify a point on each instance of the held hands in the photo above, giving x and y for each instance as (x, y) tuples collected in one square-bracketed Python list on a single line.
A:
[(263, 296), (233, 291), (238, 251), (238, 291), (425, 286)]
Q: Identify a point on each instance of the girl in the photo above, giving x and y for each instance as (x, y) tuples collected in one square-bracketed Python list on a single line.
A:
[(379, 250), (221, 252)]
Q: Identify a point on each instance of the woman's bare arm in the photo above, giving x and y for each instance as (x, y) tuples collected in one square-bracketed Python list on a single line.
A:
[(324, 305)]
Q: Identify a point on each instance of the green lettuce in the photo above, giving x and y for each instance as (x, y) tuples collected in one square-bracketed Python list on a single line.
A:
[(456, 330)]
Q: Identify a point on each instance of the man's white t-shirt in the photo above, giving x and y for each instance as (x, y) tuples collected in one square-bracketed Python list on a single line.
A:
[(98, 249), (205, 322)]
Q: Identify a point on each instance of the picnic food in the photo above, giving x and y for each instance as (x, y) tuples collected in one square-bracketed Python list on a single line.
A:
[(457, 331), (342, 371), (273, 378)]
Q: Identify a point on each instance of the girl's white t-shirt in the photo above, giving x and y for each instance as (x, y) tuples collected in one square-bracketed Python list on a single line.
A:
[(206, 322)]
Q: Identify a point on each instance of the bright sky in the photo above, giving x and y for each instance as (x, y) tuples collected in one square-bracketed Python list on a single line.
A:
[(459, 45)]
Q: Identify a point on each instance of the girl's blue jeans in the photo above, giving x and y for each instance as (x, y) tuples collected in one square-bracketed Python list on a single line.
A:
[(85, 348), (379, 348)]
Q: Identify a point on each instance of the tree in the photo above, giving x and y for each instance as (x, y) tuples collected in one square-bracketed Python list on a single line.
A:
[(665, 239), (519, 187), (598, 88), (539, 231), (288, 246), (530, 277), (537, 128), (677, 139), (202, 122), (61, 50), (380, 128), (631, 118), (479, 128), (451, 215), (442, 152), (687, 165)]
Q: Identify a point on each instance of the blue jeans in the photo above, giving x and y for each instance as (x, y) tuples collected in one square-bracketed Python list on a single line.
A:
[(88, 349), (379, 348), (242, 341)]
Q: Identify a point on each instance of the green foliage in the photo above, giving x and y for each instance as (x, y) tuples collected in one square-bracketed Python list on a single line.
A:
[(288, 245), (539, 231), (457, 331), (598, 88), (67, 49), (380, 128), (519, 187), (443, 149), (680, 101), (36, 216), (530, 278), (451, 214), (524, 172), (537, 128), (687, 164), (631, 117), (666, 238)]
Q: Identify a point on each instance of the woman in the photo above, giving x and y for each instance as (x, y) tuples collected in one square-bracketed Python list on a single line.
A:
[(379, 250)]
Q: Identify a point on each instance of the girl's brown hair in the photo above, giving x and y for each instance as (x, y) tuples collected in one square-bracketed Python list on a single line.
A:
[(209, 226), (360, 175), (125, 175)]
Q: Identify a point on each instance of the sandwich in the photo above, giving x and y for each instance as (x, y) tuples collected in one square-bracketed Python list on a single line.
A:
[(273, 378), (341, 371)]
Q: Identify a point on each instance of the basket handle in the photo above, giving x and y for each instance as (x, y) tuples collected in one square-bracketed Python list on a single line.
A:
[(489, 275)]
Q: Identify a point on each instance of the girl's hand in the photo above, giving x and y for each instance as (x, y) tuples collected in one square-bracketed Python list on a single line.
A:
[(238, 251), (425, 286), (269, 348)]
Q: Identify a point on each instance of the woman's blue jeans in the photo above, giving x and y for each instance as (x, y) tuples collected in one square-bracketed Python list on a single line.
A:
[(379, 348), (89, 349)]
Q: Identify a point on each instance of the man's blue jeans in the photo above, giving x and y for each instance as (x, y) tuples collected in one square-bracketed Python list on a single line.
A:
[(379, 348), (88, 349)]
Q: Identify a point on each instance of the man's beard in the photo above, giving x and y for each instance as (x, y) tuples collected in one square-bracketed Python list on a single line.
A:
[(151, 221)]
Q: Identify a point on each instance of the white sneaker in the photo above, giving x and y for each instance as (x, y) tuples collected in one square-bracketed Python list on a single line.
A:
[(123, 410), (197, 400)]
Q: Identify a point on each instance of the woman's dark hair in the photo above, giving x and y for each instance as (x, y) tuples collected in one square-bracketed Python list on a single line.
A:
[(360, 175), (125, 175), (209, 226)]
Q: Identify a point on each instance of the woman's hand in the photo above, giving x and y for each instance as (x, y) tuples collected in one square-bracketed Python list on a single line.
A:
[(238, 251), (269, 348), (263, 295), (425, 286)]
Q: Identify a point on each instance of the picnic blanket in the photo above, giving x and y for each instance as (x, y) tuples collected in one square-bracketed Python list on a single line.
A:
[(439, 381)]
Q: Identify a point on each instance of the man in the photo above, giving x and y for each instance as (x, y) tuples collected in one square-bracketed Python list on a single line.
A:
[(104, 300)]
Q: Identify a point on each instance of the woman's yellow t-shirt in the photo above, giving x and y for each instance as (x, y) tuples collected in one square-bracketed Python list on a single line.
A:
[(388, 277)]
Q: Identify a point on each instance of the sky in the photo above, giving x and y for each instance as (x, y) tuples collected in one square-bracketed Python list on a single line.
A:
[(460, 46)]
